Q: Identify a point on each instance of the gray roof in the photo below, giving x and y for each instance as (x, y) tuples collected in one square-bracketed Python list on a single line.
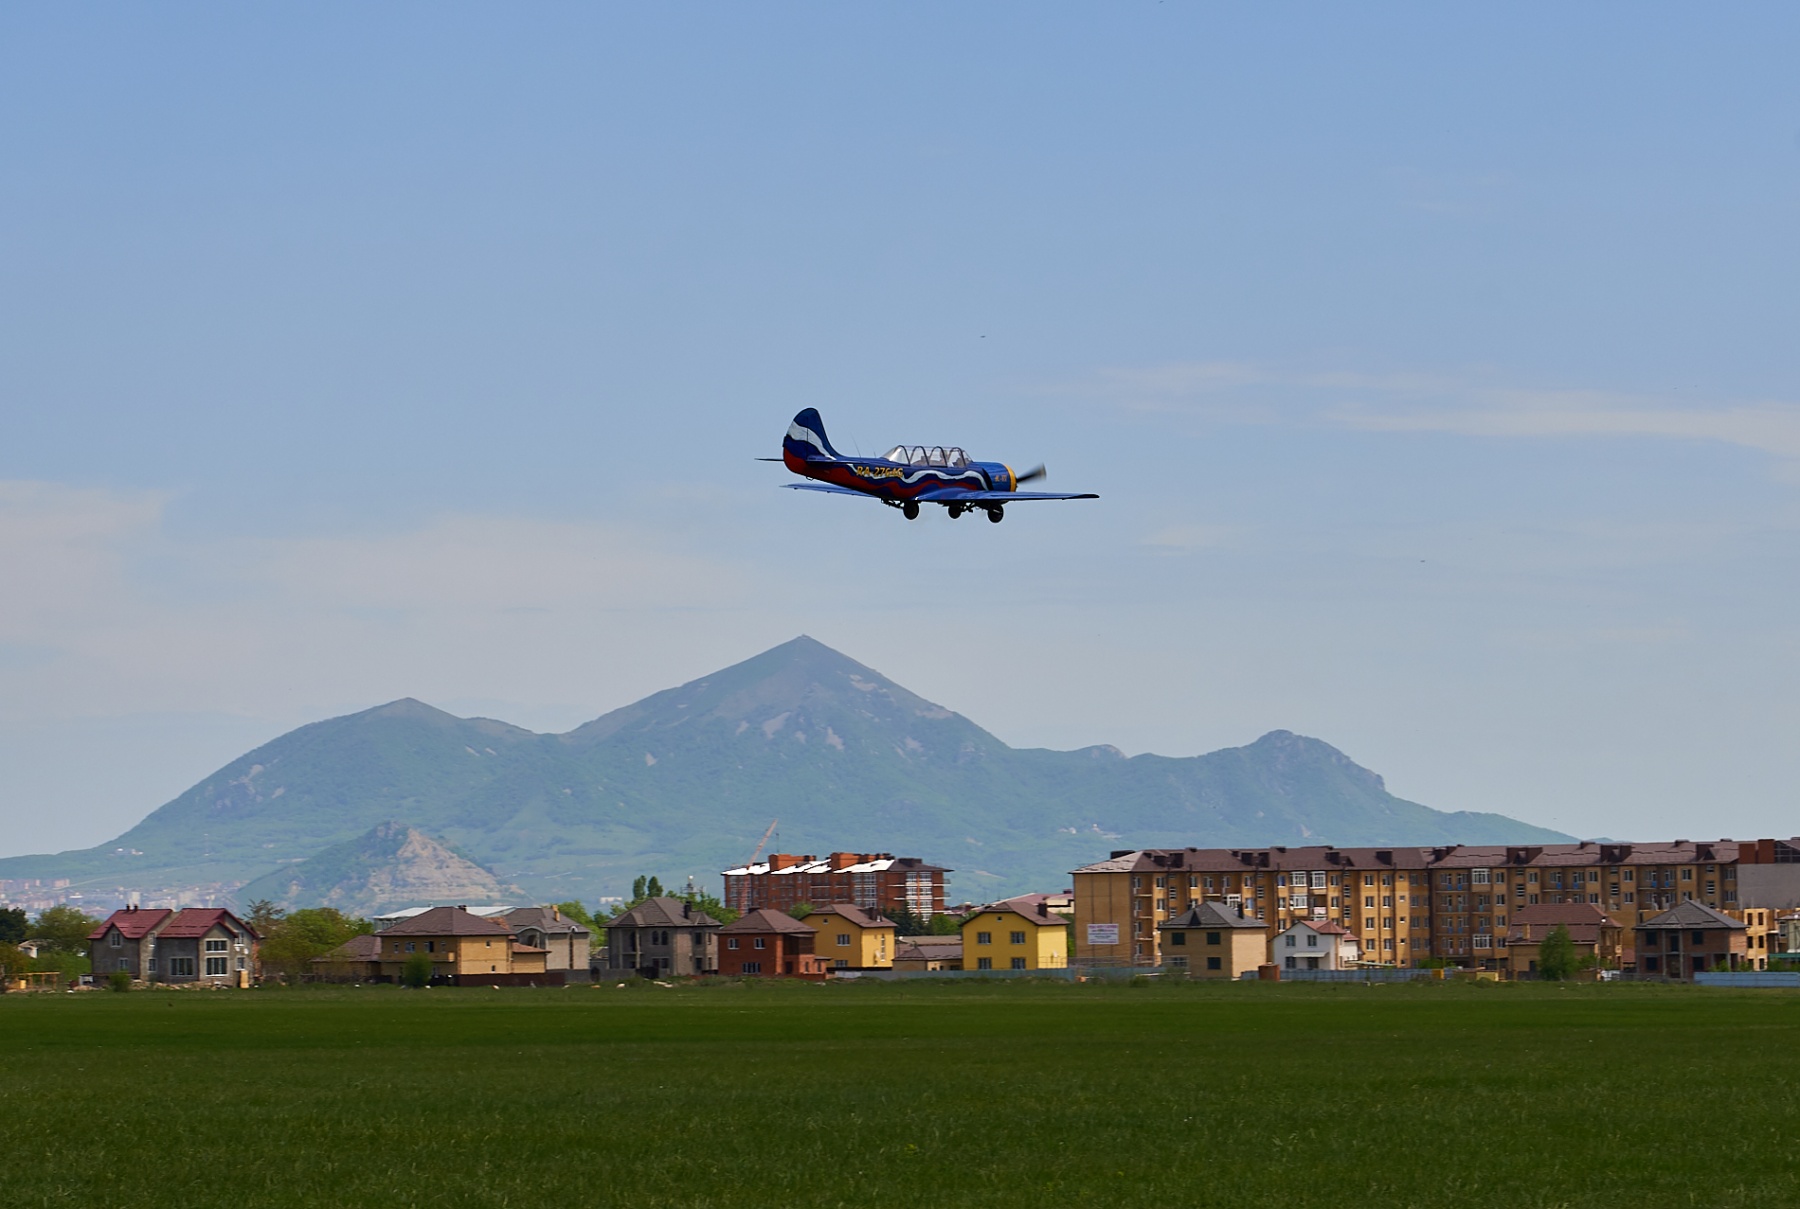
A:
[(662, 913), (1690, 915), (1212, 915), (855, 914), (767, 919), (545, 919), (447, 921)]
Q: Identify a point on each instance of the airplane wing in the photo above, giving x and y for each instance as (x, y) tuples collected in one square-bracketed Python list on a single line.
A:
[(950, 495), (828, 487)]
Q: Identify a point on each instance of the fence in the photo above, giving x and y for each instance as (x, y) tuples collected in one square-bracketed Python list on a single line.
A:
[(1065, 974), (1750, 978), (1371, 975)]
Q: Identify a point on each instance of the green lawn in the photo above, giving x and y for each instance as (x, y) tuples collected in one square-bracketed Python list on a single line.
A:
[(931, 1095)]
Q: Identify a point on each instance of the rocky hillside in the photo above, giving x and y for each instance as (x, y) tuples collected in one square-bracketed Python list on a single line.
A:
[(386, 868)]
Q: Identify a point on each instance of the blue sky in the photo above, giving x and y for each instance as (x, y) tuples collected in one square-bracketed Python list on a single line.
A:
[(1437, 368)]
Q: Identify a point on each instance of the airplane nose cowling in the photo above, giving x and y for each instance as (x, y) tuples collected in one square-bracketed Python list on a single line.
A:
[(999, 476)]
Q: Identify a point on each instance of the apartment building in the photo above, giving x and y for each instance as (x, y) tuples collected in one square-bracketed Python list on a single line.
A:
[(1405, 905)]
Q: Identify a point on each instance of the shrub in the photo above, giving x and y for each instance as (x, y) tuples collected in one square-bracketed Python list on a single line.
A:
[(1556, 955), (417, 970), (119, 981)]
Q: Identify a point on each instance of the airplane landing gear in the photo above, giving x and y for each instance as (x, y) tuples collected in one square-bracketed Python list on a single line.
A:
[(955, 510), (911, 509), (996, 514)]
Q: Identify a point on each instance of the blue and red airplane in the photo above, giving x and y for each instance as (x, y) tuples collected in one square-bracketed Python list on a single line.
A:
[(908, 475)]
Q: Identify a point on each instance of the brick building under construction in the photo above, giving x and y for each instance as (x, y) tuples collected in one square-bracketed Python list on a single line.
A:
[(874, 881)]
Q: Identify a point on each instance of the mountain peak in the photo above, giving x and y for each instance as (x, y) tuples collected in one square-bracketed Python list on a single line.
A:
[(389, 866)]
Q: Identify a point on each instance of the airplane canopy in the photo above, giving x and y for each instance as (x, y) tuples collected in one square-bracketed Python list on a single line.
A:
[(927, 455)]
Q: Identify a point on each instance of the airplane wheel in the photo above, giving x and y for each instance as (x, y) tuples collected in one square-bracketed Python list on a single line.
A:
[(955, 510), (996, 515), (911, 509)]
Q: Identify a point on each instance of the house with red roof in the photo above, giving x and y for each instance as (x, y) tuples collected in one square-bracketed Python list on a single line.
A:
[(1316, 944), (125, 942), (206, 946)]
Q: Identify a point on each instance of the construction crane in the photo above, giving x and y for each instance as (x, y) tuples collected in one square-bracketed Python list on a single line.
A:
[(762, 843)]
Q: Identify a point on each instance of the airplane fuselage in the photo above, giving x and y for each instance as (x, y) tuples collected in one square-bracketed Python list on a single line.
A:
[(899, 481)]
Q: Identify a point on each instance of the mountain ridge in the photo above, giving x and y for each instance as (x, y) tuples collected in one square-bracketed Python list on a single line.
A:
[(684, 781)]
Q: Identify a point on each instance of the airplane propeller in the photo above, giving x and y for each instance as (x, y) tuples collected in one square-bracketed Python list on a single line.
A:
[(1036, 472)]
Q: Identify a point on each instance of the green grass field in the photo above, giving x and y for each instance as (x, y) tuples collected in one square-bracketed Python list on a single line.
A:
[(931, 1095)]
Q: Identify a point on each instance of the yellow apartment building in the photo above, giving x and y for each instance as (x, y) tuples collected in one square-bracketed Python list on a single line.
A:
[(1018, 934), (850, 938)]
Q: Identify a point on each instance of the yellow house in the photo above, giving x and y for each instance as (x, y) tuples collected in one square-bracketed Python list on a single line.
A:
[(1018, 934), (1210, 940), (850, 938), (459, 944)]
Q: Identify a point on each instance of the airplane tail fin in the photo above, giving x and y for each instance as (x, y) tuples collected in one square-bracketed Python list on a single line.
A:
[(806, 437)]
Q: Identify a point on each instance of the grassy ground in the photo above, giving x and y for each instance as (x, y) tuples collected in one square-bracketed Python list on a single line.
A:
[(943, 1095)]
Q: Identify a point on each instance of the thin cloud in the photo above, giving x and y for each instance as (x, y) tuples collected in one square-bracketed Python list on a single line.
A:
[(1422, 402)]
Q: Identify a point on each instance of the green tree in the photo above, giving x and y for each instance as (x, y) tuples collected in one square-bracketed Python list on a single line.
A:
[(12, 925), (13, 961), (290, 945), (944, 924), (654, 889), (263, 916), (417, 970), (801, 910), (637, 888), (1556, 955), (64, 929)]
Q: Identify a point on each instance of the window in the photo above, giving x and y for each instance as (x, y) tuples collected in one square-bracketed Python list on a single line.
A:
[(840, 963), (1479, 877), (1179, 963), (1368, 923), (1178, 938), (1291, 940), (1318, 880), (1687, 875), (409, 946), (1018, 938), (431, 946), (114, 939), (1160, 883), (984, 938), (150, 965), (217, 946), (1387, 900), (1368, 879), (752, 967), (1213, 963), (181, 967), (731, 942), (1212, 938), (759, 943), (1018, 963), (843, 939), (1312, 940), (984, 963), (1369, 901), (215, 966)]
